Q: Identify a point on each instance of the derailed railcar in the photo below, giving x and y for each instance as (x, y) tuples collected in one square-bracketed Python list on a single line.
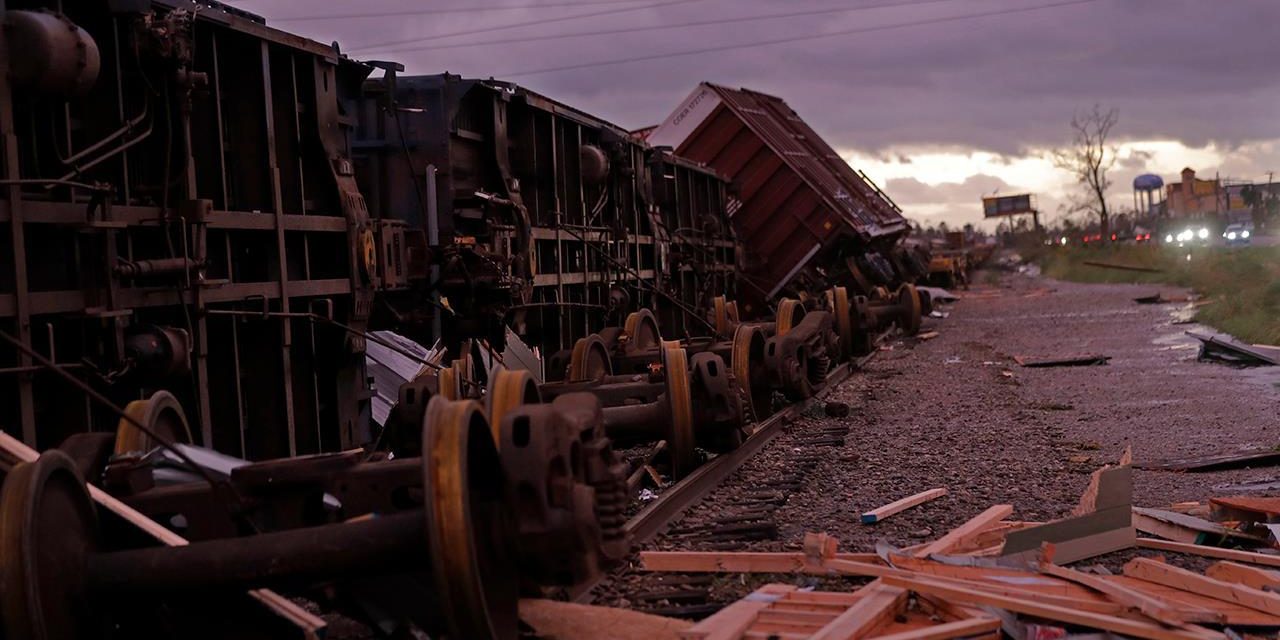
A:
[(183, 234), (806, 216), (177, 198), (541, 217), (699, 254)]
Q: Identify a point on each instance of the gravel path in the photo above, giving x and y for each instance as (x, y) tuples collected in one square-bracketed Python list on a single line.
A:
[(957, 411)]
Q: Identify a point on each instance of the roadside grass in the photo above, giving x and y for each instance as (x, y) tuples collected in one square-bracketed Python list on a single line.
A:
[(1241, 286)]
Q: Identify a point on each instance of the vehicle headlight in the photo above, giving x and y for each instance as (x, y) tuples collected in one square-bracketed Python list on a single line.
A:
[(1204, 233), (1062, 240), (1168, 237), (1244, 234), (1231, 236)]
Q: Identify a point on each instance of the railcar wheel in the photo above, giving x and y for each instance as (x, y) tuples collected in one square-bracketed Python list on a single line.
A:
[(790, 313), (750, 370), (467, 529), (725, 316), (681, 439), (864, 339), (453, 379), (909, 300), (161, 413), (844, 320), (508, 389), (641, 328), (48, 530), (720, 315), (590, 360)]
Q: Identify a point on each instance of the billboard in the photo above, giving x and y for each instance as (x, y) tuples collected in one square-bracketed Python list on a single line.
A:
[(999, 206)]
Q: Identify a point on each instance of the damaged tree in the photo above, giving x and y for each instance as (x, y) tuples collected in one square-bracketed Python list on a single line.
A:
[(1088, 159)]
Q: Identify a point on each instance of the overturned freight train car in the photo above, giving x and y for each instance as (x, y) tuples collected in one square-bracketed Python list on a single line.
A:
[(806, 218), (540, 217), (179, 214)]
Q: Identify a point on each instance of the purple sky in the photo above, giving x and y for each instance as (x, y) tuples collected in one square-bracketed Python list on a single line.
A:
[(1196, 81)]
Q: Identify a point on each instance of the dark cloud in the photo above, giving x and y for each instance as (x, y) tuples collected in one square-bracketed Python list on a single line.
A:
[(1196, 71), (1190, 70)]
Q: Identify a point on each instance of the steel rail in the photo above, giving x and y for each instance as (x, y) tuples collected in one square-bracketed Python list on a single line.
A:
[(675, 501)]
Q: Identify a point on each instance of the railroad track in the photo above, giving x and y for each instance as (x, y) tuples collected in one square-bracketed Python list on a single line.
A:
[(689, 491)]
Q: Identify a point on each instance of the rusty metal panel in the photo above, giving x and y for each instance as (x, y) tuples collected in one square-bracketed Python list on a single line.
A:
[(797, 194)]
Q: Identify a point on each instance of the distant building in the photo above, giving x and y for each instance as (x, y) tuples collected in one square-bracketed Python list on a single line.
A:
[(1194, 198)]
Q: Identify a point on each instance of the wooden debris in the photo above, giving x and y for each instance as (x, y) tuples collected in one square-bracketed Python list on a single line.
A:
[(1245, 508), (880, 513), (1152, 600), (878, 605), (1180, 527), (1122, 267), (1210, 552), (1217, 462), (1088, 360), (927, 335), (945, 631), (967, 531), (1226, 348), (732, 621), (1246, 575), (1117, 494), (1161, 299), (572, 621), (1171, 576), (881, 611), (1149, 606), (1104, 523), (1127, 626)]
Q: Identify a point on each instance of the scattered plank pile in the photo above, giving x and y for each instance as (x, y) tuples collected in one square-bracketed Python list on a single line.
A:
[(992, 574)]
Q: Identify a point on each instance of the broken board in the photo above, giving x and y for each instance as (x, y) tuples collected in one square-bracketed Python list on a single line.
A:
[(1087, 360), (1108, 528), (1215, 462)]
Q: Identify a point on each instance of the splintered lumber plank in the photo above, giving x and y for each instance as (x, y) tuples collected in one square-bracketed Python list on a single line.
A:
[(1149, 606), (991, 537), (879, 604), (966, 531), (1245, 575), (1022, 579), (1013, 589), (880, 513), (732, 621), (1178, 578), (1127, 626), (306, 623), (741, 561), (1234, 614), (1181, 527), (948, 630), (1210, 552), (574, 621)]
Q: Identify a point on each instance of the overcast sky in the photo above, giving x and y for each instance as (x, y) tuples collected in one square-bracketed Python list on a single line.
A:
[(962, 99)]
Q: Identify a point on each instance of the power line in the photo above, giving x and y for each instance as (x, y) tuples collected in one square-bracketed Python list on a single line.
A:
[(423, 12), (765, 43), (530, 23), (681, 25)]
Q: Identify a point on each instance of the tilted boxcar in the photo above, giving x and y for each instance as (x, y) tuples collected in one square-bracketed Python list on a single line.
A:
[(803, 208)]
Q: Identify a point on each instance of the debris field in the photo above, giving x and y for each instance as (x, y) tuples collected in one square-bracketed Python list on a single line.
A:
[(958, 424)]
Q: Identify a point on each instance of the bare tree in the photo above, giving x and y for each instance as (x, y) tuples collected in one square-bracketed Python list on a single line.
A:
[(1088, 159)]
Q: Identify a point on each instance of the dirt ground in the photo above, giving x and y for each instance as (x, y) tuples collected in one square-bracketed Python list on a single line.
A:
[(958, 412)]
